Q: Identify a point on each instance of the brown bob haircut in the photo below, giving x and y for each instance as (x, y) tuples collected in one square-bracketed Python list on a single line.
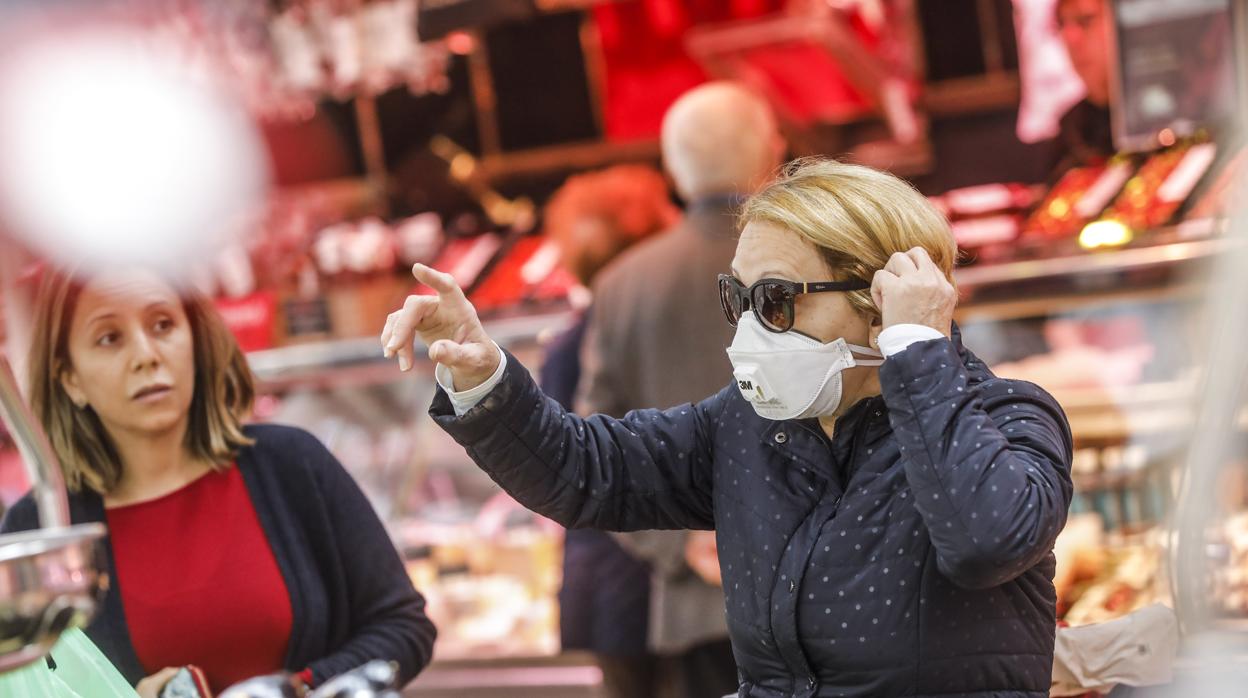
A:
[(223, 394)]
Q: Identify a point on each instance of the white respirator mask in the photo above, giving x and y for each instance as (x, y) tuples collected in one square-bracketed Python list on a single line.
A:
[(789, 375)]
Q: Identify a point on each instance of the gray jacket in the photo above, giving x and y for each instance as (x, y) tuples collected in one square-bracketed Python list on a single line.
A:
[(657, 338)]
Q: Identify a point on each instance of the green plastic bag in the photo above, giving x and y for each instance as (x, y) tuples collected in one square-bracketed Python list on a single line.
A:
[(82, 671)]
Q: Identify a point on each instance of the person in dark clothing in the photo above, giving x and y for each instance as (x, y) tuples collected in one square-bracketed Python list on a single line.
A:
[(604, 601), (241, 550), (656, 339), (885, 525), (1085, 134)]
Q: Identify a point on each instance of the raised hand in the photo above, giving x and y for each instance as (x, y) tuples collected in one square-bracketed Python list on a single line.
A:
[(911, 289), (448, 324)]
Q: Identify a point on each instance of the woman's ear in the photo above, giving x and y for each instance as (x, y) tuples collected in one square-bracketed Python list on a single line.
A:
[(70, 384), (873, 332)]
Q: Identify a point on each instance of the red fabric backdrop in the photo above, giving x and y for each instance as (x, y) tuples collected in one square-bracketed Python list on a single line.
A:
[(646, 64)]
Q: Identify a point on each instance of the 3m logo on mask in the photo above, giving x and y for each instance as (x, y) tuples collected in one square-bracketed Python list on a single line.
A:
[(752, 386)]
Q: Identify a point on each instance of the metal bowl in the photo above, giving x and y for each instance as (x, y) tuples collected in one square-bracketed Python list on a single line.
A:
[(49, 582)]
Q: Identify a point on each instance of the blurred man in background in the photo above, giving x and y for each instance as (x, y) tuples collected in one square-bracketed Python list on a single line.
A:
[(657, 337), (604, 602), (1085, 134)]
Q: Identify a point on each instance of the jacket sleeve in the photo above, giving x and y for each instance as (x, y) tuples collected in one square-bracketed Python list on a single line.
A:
[(650, 469), (987, 463), (387, 615)]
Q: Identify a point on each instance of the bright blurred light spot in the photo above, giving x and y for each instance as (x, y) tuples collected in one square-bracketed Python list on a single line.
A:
[(1059, 208), (460, 43), (462, 167), (1104, 233), (113, 157)]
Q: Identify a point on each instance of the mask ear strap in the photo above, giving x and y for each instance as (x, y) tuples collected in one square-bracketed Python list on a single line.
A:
[(866, 351)]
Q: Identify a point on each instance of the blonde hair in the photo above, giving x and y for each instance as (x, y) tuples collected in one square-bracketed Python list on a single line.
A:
[(223, 397), (856, 216)]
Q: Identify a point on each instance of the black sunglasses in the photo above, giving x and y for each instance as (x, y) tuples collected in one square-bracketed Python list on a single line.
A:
[(772, 299)]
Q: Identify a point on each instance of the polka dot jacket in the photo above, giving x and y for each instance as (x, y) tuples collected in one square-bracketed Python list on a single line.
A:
[(909, 555)]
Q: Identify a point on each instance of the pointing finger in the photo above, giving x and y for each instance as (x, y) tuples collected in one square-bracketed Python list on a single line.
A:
[(441, 282)]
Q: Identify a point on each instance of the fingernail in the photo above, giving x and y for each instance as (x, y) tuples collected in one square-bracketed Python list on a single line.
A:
[(403, 363)]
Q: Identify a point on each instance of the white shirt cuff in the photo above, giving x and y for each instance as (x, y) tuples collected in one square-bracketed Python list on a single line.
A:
[(465, 400), (896, 338)]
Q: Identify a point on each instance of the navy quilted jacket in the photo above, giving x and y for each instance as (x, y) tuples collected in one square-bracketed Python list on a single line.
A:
[(910, 555)]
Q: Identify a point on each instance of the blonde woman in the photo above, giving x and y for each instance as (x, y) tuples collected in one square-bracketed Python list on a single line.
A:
[(885, 517), (241, 550)]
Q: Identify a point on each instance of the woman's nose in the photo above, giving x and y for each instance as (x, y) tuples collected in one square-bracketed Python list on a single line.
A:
[(144, 351)]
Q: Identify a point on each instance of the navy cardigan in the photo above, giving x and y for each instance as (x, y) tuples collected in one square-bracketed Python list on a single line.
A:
[(350, 596)]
